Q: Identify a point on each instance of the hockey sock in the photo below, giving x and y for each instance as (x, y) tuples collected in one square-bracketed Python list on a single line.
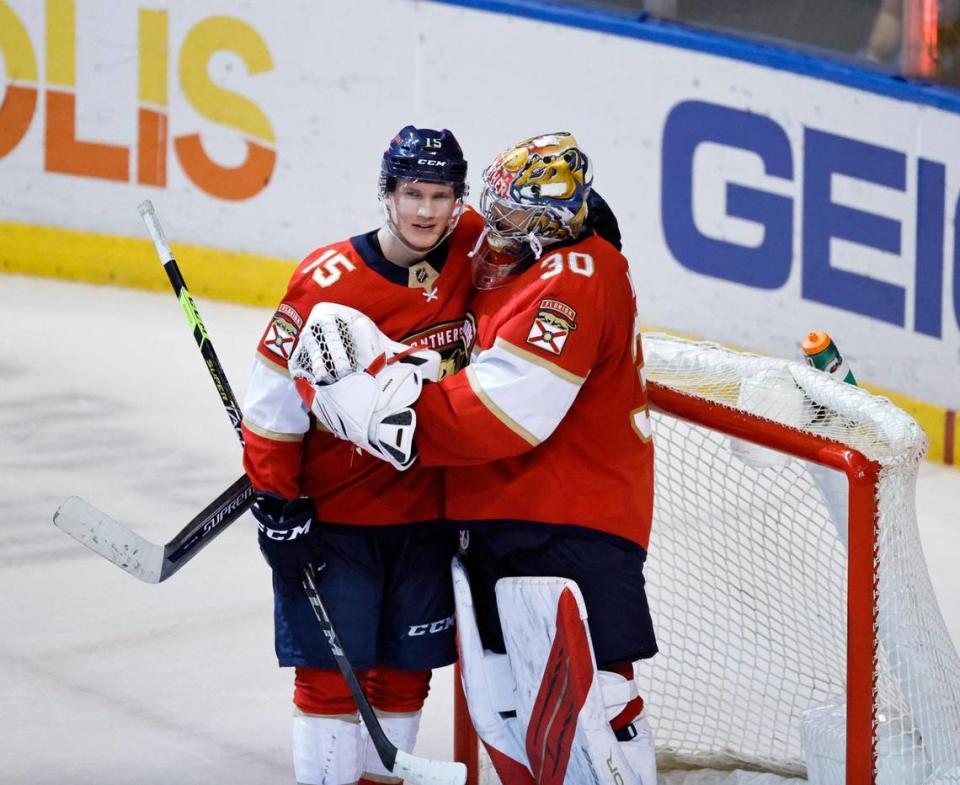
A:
[(401, 729), (324, 692), (396, 691), (327, 735), (326, 750), (397, 697)]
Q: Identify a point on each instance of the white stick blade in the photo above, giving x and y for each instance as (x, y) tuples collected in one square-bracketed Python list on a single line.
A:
[(420, 771), (110, 539)]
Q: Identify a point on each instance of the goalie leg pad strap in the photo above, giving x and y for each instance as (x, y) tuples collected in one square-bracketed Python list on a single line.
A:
[(620, 696)]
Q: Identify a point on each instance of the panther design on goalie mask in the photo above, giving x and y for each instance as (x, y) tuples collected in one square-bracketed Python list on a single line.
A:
[(544, 181), (534, 195)]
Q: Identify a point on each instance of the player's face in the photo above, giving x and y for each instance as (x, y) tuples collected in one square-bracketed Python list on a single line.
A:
[(422, 211)]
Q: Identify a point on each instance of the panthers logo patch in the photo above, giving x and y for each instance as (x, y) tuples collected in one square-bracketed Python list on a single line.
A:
[(454, 340), (552, 326)]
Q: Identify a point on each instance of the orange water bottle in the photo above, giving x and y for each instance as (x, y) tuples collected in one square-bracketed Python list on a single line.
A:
[(821, 352)]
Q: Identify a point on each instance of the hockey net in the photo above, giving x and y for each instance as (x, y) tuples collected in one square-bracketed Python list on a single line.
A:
[(798, 629)]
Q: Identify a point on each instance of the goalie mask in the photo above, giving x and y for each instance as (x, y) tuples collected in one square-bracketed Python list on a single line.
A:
[(422, 155), (534, 195)]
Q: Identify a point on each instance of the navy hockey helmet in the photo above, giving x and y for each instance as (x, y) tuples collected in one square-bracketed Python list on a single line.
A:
[(424, 154)]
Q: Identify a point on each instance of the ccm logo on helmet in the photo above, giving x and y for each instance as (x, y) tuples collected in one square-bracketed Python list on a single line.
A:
[(432, 628), (430, 162)]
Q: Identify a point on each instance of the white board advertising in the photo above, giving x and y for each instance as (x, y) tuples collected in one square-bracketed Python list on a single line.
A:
[(756, 203)]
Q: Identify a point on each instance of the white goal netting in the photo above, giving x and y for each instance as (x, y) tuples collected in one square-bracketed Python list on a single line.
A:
[(787, 647)]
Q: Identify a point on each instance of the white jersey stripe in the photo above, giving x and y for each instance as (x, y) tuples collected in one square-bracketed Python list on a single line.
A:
[(272, 406), (496, 411), (528, 394)]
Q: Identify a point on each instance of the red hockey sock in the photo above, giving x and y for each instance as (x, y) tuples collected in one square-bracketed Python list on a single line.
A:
[(397, 691), (323, 692)]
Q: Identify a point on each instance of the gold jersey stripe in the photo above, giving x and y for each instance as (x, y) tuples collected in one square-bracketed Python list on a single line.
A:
[(273, 366), (272, 435), (536, 359)]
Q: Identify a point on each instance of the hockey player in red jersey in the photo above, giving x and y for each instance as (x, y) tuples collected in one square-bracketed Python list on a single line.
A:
[(548, 440), (385, 561)]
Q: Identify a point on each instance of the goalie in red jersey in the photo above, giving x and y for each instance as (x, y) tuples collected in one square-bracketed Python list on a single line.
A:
[(320, 501), (548, 444)]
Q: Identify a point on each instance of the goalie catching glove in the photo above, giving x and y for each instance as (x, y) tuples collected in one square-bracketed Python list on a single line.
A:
[(360, 384)]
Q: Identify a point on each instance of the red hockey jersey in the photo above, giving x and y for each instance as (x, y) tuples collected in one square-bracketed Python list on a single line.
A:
[(549, 423), (424, 305)]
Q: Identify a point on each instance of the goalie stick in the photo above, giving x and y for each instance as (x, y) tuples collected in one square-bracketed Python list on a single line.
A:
[(145, 560)]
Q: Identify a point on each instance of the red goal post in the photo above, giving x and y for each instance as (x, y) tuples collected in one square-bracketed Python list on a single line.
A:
[(799, 633)]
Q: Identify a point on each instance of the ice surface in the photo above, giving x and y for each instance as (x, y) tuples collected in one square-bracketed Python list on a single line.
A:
[(103, 679)]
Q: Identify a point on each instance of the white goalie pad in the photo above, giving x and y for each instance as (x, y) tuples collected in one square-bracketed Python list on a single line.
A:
[(337, 340), (489, 688), (560, 702), (540, 708)]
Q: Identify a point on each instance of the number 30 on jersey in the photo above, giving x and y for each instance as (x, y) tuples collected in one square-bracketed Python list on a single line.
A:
[(579, 263)]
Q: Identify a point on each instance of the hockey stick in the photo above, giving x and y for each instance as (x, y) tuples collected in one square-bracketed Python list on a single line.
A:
[(109, 538), (227, 398), (415, 770), (138, 556)]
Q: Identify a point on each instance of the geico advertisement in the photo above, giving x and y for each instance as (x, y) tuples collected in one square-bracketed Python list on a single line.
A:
[(807, 226), (755, 204), (790, 219)]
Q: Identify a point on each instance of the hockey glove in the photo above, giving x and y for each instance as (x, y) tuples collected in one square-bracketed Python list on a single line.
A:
[(337, 340), (373, 412), (358, 383), (288, 534)]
